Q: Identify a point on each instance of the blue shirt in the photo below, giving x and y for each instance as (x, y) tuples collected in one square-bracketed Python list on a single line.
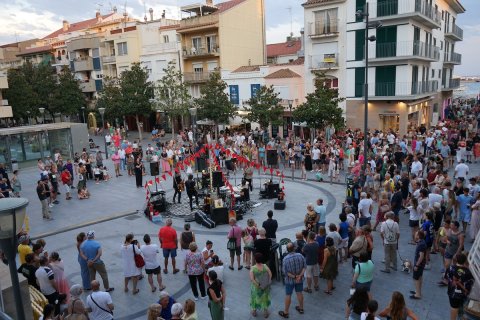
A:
[(322, 213), (464, 203), (167, 312), (90, 249), (343, 229), (427, 227)]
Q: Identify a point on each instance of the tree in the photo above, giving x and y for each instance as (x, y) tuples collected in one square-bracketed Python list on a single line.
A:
[(43, 81), (321, 106), (110, 98), (172, 94), (68, 98), (214, 103), (264, 107)]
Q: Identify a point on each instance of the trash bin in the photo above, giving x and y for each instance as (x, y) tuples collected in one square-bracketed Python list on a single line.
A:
[(14, 164)]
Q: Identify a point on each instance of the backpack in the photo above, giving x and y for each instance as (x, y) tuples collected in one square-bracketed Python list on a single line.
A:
[(389, 233)]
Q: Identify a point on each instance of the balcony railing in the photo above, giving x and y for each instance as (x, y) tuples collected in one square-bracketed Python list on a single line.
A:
[(160, 48), (199, 21), (455, 33), (83, 64), (324, 61), (451, 84), (195, 52), (88, 86), (109, 59), (452, 58), (398, 89), (416, 49), (401, 8), (323, 28), (196, 76)]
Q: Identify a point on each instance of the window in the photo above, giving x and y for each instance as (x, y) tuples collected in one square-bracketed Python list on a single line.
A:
[(325, 22), (359, 6), (95, 52), (212, 44), (165, 39), (441, 45), (197, 43), (439, 73), (359, 44), (433, 73), (359, 81), (234, 94), (122, 49)]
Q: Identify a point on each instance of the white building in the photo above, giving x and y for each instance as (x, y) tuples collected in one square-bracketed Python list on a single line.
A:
[(410, 63)]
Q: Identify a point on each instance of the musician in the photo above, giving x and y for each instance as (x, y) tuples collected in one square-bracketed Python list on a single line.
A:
[(206, 203), (248, 175), (178, 186), (244, 192), (191, 190)]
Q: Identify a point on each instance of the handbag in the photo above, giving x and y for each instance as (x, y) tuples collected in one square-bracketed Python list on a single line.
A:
[(232, 242), (139, 261)]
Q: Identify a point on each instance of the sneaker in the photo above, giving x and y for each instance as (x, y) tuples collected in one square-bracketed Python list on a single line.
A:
[(427, 267), (203, 297), (51, 205), (56, 202), (195, 298)]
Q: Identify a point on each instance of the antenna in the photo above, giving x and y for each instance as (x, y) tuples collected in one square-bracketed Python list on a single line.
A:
[(144, 11), (99, 6), (125, 14), (291, 20)]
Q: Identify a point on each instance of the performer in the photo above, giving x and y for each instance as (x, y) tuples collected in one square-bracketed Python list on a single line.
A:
[(138, 172), (245, 193), (191, 190), (178, 186), (247, 175), (206, 203)]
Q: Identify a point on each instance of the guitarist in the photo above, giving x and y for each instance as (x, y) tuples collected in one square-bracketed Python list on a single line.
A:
[(178, 186), (191, 190)]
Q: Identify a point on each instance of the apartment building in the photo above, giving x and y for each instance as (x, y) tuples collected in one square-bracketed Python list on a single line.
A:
[(5, 109), (9, 52), (222, 36), (411, 63), (284, 52)]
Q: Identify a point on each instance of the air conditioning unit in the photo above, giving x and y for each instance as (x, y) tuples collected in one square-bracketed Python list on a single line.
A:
[(99, 76)]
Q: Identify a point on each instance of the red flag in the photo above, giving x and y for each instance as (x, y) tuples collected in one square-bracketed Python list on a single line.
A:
[(278, 172), (146, 185), (164, 177), (150, 182), (264, 168), (157, 179), (227, 151), (176, 170), (271, 170), (187, 161), (170, 173)]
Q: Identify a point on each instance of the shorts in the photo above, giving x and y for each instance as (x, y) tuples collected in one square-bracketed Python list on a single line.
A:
[(448, 256), (169, 253), (429, 244), (455, 303), (67, 188), (363, 221), (289, 288), (364, 285), (343, 244), (313, 270), (237, 252), (153, 271), (442, 245), (413, 223), (417, 274), (464, 217)]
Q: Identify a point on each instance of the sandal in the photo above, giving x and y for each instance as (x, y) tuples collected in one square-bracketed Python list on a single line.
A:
[(300, 310), (307, 290), (154, 289), (136, 291), (317, 288), (254, 313), (230, 267), (283, 314), (165, 271), (328, 292), (162, 288)]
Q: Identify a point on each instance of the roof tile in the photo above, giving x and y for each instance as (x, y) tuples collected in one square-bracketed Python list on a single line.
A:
[(77, 26), (247, 69), (283, 73), (284, 48)]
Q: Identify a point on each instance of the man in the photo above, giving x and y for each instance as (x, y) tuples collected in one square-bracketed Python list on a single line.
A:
[(152, 267), (43, 197), (435, 196), (460, 283), (169, 244), (166, 301), (365, 209), (66, 178), (390, 233), (417, 167), (116, 163), (310, 251), (235, 234), (397, 201), (91, 251), (47, 284), (321, 211), (464, 202), (293, 268), (28, 270), (248, 175), (23, 248), (461, 170), (191, 190), (177, 186), (108, 139), (270, 225), (419, 264), (99, 303)]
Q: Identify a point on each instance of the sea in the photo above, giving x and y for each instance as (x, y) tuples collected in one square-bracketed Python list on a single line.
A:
[(471, 90)]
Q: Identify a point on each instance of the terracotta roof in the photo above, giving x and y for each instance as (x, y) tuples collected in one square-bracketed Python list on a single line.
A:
[(309, 2), (296, 62), (284, 48), (283, 73), (46, 48), (224, 6), (77, 26), (247, 69)]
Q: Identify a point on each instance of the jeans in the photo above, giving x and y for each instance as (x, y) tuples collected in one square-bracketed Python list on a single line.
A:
[(100, 268), (390, 256), (193, 284), (122, 164), (84, 273)]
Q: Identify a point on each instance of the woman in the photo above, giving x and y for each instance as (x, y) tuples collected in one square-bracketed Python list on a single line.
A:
[(16, 184), (82, 262), (250, 237), (76, 305), (329, 268), (139, 172), (310, 218), (186, 237), (308, 158), (357, 304), (260, 277), (130, 271), (455, 241), (154, 311), (475, 220), (414, 219), (263, 245), (363, 273), (58, 268), (195, 270), (321, 238), (189, 309), (216, 294), (397, 310), (383, 207), (177, 311)]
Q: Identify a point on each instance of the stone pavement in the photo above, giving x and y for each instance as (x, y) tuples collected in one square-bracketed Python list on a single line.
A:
[(112, 213)]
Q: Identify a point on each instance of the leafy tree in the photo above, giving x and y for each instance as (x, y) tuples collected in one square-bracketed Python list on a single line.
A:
[(172, 94), (43, 82), (20, 95), (265, 107), (68, 98), (214, 103), (321, 106), (110, 98)]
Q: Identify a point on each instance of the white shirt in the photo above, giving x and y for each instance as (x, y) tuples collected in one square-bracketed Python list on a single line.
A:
[(108, 138), (121, 153), (219, 271), (150, 253), (364, 316), (429, 141), (417, 167), (209, 259), (190, 135), (103, 299), (364, 207), (433, 197), (391, 138), (315, 154), (390, 226), (44, 275), (461, 170)]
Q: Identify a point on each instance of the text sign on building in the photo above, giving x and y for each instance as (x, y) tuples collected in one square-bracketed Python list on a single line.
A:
[(234, 95), (254, 88), (329, 58)]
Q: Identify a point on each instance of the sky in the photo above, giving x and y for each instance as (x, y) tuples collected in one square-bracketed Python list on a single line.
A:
[(27, 19)]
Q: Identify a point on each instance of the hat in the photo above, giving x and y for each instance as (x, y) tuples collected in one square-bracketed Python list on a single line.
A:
[(23, 238), (91, 234)]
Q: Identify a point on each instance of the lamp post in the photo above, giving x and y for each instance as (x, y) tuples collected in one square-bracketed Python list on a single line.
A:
[(193, 114), (83, 114), (12, 216), (368, 26), (42, 112), (290, 104), (102, 113)]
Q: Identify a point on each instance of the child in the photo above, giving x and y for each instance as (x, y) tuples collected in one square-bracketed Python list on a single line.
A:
[(106, 176), (96, 173), (372, 308), (321, 237)]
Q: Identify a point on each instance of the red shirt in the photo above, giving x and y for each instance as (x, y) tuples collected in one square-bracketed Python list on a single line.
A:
[(168, 237), (65, 176), (116, 140)]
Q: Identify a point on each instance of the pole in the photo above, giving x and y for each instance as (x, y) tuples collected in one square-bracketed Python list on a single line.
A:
[(8, 246), (104, 139), (365, 124)]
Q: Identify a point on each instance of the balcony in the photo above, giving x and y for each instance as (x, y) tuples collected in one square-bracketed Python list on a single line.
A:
[(60, 62), (88, 86), (418, 10), (455, 34), (452, 58), (196, 77), (3, 81), (451, 85), (403, 50), (160, 48), (193, 52), (198, 23), (109, 60), (324, 62), (323, 29), (83, 64), (399, 90), (83, 42)]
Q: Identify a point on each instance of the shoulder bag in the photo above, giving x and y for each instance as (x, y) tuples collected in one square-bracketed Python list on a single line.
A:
[(232, 241), (139, 261), (103, 309)]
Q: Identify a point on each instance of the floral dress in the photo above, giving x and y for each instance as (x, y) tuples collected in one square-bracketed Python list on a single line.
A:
[(259, 298)]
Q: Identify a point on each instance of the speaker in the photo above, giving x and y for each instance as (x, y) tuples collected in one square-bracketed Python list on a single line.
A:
[(154, 171), (201, 163), (219, 215), (272, 157), (217, 179), (279, 205)]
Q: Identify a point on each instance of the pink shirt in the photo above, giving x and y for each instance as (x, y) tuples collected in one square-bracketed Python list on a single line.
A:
[(116, 158)]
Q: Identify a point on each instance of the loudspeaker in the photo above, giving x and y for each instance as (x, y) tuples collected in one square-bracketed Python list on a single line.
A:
[(154, 171), (217, 179), (272, 157), (219, 215), (201, 163), (279, 205)]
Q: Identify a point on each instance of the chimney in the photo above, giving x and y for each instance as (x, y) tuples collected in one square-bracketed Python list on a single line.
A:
[(151, 14), (115, 9), (209, 2), (301, 53), (66, 25), (98, 16)]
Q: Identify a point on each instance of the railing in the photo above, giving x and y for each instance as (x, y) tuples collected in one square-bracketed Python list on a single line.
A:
[(454, 83), (388, 89), (456, 31), (84, 64), (323, 28), (453, 57), (109, 59), (399, 7), (196, 76), (324, 61), (198, 21), (192, 51), (88, 86), (404, 49), (160, 48)]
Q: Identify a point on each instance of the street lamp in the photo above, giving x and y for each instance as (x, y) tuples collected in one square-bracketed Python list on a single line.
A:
[(83, 113), (368, 26), (42, 112), (193, 114), (102, 113), (290, 104), (12, 216)]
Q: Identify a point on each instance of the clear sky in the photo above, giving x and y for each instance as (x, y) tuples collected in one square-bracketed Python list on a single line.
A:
[(26, 19)]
